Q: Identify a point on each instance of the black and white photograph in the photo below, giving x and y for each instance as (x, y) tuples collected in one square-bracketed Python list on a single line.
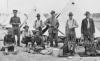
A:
[(49, 30)]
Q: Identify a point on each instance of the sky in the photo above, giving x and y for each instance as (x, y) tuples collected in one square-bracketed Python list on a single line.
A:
[(45, 6)]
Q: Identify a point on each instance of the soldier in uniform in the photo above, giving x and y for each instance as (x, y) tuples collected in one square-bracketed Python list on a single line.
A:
[(26, 35), (88, 27), (38, 25), (71, 24), (9, 42), (53, 24), (15, 22), (87, 31)]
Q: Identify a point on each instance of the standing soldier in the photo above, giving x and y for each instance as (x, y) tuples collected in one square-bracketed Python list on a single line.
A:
[(15, 22), (87, 31), (71, 24), (88, 27), (53, 24), (38, 25)]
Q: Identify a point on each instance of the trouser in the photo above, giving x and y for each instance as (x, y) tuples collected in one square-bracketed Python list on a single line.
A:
[(26, 39), (38, 40), (53, 37), (11, 48), (71, 40), (71, 37), (16, 31), (88, 37)]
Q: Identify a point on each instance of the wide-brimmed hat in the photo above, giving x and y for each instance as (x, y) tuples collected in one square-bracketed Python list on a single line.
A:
[(38, 15), (52, 12), (87, 13), (26, 26), (70, 14)]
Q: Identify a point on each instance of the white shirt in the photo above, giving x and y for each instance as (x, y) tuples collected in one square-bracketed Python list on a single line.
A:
[(38, 24), (72, 23), (88, 26)]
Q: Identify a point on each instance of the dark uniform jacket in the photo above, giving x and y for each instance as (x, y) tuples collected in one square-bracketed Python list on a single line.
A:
[(85, 30), (15, 20)]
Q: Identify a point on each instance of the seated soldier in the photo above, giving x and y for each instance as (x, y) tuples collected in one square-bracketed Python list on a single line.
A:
[(9, 42), (38, 39), (26, 35)]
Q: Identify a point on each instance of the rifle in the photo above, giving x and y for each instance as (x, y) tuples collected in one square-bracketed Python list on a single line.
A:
[(44, 30)]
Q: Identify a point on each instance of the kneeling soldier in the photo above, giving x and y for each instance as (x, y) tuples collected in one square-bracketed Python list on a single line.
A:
[(27, 36), (9, 42)]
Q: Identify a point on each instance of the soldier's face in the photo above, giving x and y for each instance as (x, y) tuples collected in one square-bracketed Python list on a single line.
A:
[(53, 15), (88, 16), (70, 17), (38, 18), (15, 13)]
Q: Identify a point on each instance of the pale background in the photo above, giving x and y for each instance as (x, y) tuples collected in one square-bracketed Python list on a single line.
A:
[(45, 6)]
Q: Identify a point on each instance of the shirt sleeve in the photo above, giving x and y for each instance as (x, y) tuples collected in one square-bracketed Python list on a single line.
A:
[(76, 24), (19, 20), (46, 22), (30, 33), (82, 26), (93, 26), (57, 23), (11, 21), (23, 34)]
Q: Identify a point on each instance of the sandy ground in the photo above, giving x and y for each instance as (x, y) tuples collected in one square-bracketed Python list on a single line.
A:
[(23, 56)]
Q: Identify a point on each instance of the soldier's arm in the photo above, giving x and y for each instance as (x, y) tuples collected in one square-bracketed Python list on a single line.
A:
[(19, 21), (82, 26), (42, 25), (5, 40), (93, 26), (57, 25), (11, 21), (47, 22), (23, 34), (76, 24), (30, 33)]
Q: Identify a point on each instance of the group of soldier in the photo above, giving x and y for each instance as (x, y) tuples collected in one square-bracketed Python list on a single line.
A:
[(87, 29)]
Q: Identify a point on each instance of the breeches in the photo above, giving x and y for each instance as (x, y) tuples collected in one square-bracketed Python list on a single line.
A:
[(88, 37), (71, 36)]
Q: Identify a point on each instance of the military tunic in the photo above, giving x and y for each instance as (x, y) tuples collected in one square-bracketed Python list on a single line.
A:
[(53, 32), (15, 21)]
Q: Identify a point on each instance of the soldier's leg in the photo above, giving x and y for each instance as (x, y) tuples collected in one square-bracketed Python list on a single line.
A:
[(42, 43), (91, 37), (51, 39), (73, 37), (18, 38), (56, 39), (14, 33)]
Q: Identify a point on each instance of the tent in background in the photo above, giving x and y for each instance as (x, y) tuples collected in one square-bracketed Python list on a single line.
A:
[(44, 6)]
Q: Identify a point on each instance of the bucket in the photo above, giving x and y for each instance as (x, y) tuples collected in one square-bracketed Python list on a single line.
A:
[(79, 49), (55, 52)]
